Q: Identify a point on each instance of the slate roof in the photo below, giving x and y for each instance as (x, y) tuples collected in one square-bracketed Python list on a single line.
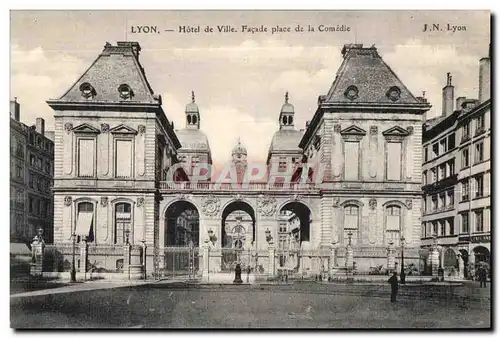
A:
[(365, 69), (116, 65), (193, 140), (286, 140)]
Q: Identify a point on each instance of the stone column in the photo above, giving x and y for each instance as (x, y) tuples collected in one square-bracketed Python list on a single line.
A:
[(83, 256), (272, 259), (206, 253), (391, 259), (126, 260), (332, 263), (349, 259), (435, 261)]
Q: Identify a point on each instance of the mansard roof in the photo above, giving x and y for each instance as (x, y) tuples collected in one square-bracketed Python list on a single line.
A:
[(364, 77), (116, 70)]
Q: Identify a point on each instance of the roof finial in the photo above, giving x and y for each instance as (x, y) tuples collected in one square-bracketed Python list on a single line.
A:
[(239, 142), (286, 97), (192, 96), (448, 79), (423, 93), (15, 98)]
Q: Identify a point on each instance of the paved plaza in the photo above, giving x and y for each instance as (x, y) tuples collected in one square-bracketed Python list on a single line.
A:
[(298, 305)]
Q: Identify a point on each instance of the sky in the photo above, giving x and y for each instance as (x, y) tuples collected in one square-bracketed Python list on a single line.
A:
[(240, 78)]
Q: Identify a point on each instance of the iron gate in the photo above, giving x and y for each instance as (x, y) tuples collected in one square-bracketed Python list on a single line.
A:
[(178, 262)]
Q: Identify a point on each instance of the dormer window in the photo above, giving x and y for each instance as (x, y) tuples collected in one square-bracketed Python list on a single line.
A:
[(87, 90), (351, 92), (394, 93), (125, 91)]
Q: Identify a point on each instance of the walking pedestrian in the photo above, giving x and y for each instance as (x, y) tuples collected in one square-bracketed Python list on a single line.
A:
[(482, 277), (394, 286)]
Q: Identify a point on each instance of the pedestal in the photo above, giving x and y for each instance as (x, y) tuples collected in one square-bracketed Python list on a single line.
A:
[(391, 259), (435, 261), (126, 260), (83, 256), (349, 257), (36, 266), (272, 261)]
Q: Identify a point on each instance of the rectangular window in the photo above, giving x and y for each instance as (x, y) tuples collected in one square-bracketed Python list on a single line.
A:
[(479, 186), (442, 226), (86, 157), (434, 203), (451, 141), (465, 223), (30, 204), (426, 154), (434, 175), (442, 171), (479, 153), (47, 167), (480, 123), (351, 161), (478, 217), (19, 172), (423, 234), (466, 131), (393, 161), (465, 158), (351, 217), (442, 201), (451, 198), (435, 149), (442, 146), (434, 228), (451, 167), (424, 204), (282, 164), (451, 225), (123, 158), (424, 177), (465, 190)]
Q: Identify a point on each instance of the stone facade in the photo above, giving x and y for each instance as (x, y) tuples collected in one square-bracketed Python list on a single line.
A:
[(31, 175), (355, 172)]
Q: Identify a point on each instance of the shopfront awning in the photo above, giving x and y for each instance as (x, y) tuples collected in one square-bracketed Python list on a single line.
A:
[(83, 223)]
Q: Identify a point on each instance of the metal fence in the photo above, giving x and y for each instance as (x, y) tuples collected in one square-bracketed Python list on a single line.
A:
[(180, 262)]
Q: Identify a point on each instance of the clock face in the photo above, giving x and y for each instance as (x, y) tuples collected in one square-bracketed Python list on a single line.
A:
[(351, 92), (394, 93)]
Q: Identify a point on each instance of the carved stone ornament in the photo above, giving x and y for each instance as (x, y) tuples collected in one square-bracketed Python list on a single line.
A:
[(410, 129), (267, 205), (238, 197), (296, 197), (68, 200), (182, 196), (372, 203), (141, 128), (104, 127), (104, 201), (409, 204), (336, 202), (373, 130), (337, 128), (140, 201), (68, 126), (210, 205)]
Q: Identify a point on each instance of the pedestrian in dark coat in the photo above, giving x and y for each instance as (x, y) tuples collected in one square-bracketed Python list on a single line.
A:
[(394, 286), (482, 277)]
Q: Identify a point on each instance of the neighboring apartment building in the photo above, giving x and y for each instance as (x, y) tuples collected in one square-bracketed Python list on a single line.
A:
[(456, 176), (31, 175)]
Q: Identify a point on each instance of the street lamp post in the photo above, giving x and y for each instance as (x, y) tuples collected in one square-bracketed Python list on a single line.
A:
[(403, 275), (73, 268)]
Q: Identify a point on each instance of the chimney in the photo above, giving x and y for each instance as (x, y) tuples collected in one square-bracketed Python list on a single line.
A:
[(460, 101), (484, 78), (307, 124), (448, 97), (422, 99), (40, 125), (136, 48), (15, 109)]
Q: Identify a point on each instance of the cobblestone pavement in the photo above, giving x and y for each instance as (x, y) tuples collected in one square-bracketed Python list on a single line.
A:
[(299, 305)]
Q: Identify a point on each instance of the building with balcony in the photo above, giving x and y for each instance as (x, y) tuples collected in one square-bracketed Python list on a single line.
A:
[(31, 175), (353, 175), (456, 177)]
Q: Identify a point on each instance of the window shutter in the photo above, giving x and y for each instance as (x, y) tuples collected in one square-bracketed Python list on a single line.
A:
[(123, 158), (394, 161), (351, 161), (86, 157)]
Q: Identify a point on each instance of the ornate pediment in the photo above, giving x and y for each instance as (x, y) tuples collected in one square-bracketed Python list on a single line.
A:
[(395, 133), (123, 129), (354, 133), (86, 128)]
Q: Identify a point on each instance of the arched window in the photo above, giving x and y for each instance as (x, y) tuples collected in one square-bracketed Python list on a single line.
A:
[(351, 223), (85, 222), (189, 119), (123, 221), (195, 119), (290, 120), (285, 120), (393, 224)]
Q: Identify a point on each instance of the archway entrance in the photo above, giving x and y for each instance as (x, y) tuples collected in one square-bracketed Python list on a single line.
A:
[(238, 235), (465, 257), (450, 262), (481, 258), (294, 233), (181, 238)]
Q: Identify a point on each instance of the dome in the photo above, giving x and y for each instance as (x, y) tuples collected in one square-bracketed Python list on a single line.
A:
[(192, 107), (193, 139), (239, 149), (287, 108), (286, 140)]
